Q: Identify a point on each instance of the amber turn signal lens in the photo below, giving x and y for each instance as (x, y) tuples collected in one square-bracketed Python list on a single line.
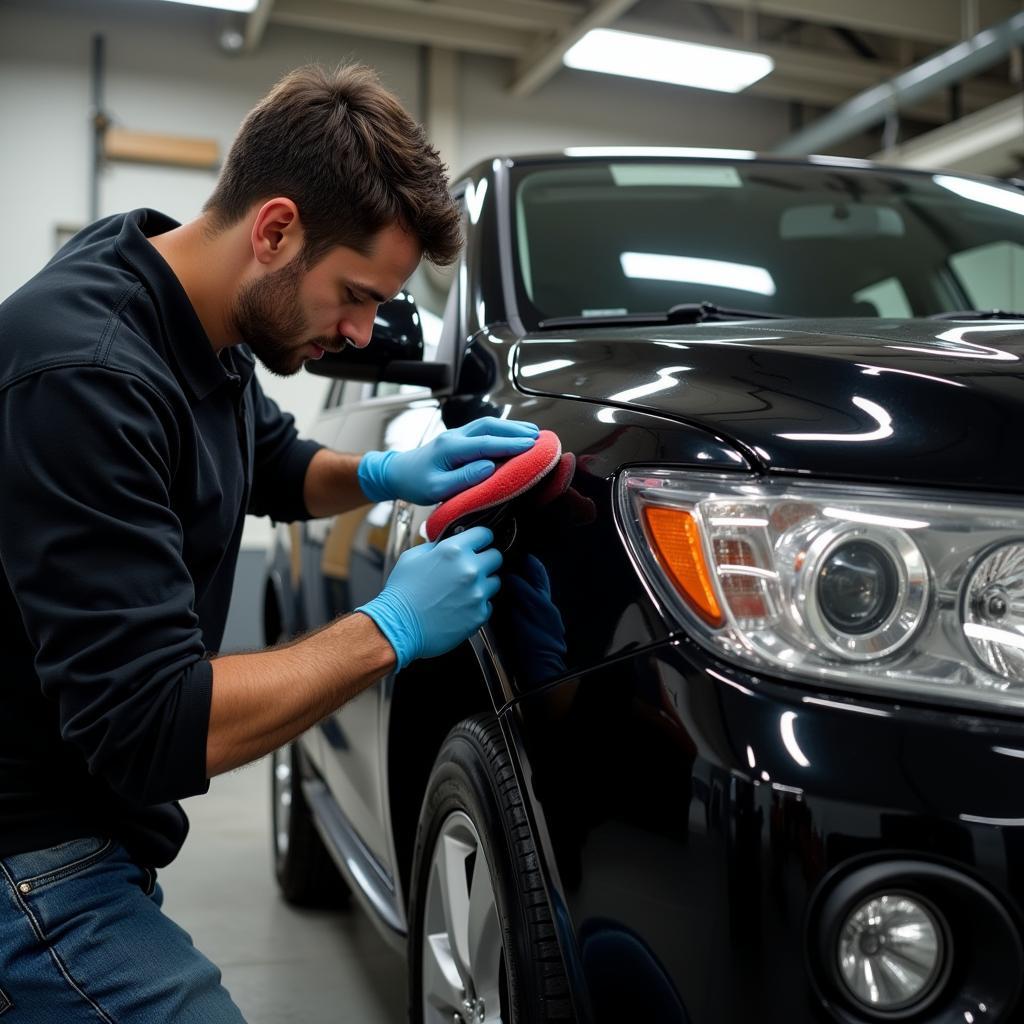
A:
[(676, 542)]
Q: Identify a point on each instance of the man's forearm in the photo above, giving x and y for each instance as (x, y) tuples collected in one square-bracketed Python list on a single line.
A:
[(331, 485), (262, 701)]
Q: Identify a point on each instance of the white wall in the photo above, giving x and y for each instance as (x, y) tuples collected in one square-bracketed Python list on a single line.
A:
[(165, 73)]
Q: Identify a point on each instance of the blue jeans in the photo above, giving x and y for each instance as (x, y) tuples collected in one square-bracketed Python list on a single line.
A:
[(83, 941)]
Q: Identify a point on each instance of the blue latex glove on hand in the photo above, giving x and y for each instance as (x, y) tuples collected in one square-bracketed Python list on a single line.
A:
[(453, 461), (437, 595)]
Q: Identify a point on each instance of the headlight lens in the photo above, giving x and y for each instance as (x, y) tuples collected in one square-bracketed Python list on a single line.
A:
[(994, 610), (859, 585), (864, 590)]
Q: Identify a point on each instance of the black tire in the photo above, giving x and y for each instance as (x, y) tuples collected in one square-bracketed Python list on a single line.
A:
[(473, 775), (305, 873)]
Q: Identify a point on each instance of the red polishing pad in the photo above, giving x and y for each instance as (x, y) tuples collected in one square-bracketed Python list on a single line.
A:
[(511, 478), (554, 485)]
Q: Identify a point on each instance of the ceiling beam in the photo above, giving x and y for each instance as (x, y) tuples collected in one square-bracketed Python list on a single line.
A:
[(534, 15), (934, 77), (932, 21), (814, 76), (825, 95), (256, 24), (986, 142), (534, 71), (419, 25)]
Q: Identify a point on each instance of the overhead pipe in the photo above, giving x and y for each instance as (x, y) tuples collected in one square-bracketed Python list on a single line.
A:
[(912, 86)]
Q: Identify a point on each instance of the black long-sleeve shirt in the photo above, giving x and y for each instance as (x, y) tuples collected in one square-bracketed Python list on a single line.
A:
[(129, 455)]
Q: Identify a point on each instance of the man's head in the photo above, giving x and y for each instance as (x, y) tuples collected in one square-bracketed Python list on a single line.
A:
[(342, 195)]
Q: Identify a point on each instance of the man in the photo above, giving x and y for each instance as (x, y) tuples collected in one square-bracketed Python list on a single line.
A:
[(133, 439)]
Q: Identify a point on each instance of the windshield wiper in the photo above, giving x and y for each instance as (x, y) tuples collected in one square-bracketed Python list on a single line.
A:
[(684, 313), (977, 314)]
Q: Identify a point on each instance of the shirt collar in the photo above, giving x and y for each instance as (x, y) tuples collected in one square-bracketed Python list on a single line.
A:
[(187, 340), (240, 364)]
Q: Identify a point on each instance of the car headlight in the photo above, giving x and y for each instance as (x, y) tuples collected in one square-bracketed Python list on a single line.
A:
[(904, 590)]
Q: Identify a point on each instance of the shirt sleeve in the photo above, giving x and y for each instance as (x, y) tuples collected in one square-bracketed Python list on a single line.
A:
[(280, 461), (93, 553)]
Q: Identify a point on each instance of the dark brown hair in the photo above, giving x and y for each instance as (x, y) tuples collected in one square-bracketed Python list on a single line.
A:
[(350, 157)]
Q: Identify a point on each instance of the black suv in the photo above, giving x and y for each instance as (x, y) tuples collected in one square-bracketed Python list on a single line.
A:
[(743, 740)]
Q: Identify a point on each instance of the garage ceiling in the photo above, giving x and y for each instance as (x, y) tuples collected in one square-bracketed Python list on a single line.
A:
[(825, 51)]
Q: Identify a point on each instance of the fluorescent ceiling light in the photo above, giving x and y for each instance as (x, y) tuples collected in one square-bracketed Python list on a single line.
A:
[(667, 60), (691, 270), (242, 6), (979, 192)]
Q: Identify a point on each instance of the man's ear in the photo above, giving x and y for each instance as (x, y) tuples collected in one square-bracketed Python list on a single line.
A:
[(277, 234)]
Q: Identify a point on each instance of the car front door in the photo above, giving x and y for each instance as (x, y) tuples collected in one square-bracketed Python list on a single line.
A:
[(350, 556)]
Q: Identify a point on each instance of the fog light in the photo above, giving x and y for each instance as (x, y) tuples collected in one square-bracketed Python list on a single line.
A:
[(891, 952)]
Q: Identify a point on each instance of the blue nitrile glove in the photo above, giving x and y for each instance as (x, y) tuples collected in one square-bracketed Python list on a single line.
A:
[(437, 595), (453, 461)]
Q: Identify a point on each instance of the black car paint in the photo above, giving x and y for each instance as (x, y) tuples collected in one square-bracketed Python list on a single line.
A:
[(857, 399), (679, 838)]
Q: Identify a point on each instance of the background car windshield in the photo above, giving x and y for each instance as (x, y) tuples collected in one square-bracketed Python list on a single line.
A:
[(603, 238)]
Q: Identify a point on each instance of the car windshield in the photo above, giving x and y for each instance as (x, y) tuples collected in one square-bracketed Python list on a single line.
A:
[(596, 238)]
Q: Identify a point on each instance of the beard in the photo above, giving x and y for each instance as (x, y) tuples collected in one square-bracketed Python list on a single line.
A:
[(269, 319)]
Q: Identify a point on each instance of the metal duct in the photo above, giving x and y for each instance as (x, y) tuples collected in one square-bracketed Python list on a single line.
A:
[(912, 86)]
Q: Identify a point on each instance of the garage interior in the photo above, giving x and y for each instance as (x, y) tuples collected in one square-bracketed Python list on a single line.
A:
[(110, 105)]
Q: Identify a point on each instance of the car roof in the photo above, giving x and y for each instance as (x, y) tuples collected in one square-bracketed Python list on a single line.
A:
[(687, 154)]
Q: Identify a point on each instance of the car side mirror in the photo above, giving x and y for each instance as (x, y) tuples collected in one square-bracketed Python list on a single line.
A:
[(394, 355)]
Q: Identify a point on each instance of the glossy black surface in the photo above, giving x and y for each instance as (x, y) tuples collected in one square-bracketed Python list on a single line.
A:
[(914, 400), (676, 815), (684, 846)]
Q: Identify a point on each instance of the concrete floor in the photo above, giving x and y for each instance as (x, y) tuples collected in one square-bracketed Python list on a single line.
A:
[(281, 965)]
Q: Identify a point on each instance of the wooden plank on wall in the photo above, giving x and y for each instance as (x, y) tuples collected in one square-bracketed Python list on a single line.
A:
[(145, 147)]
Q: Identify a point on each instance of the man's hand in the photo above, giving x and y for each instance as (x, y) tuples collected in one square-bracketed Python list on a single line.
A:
[(453, 461), (437, 595)]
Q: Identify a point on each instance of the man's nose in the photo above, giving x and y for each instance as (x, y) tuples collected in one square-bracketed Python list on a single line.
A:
[(358, 329)]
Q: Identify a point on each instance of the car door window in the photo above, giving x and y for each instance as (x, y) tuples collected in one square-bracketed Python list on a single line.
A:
[(991, 275)]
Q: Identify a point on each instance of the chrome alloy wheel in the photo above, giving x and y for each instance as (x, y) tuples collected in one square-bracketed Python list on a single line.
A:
[(462, 950), (282, 760)]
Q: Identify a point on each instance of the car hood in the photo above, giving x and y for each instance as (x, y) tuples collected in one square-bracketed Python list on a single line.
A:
[(923, 401)]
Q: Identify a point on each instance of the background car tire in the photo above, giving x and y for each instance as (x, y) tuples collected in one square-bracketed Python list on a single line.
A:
[(304, 870), (473, 783)]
